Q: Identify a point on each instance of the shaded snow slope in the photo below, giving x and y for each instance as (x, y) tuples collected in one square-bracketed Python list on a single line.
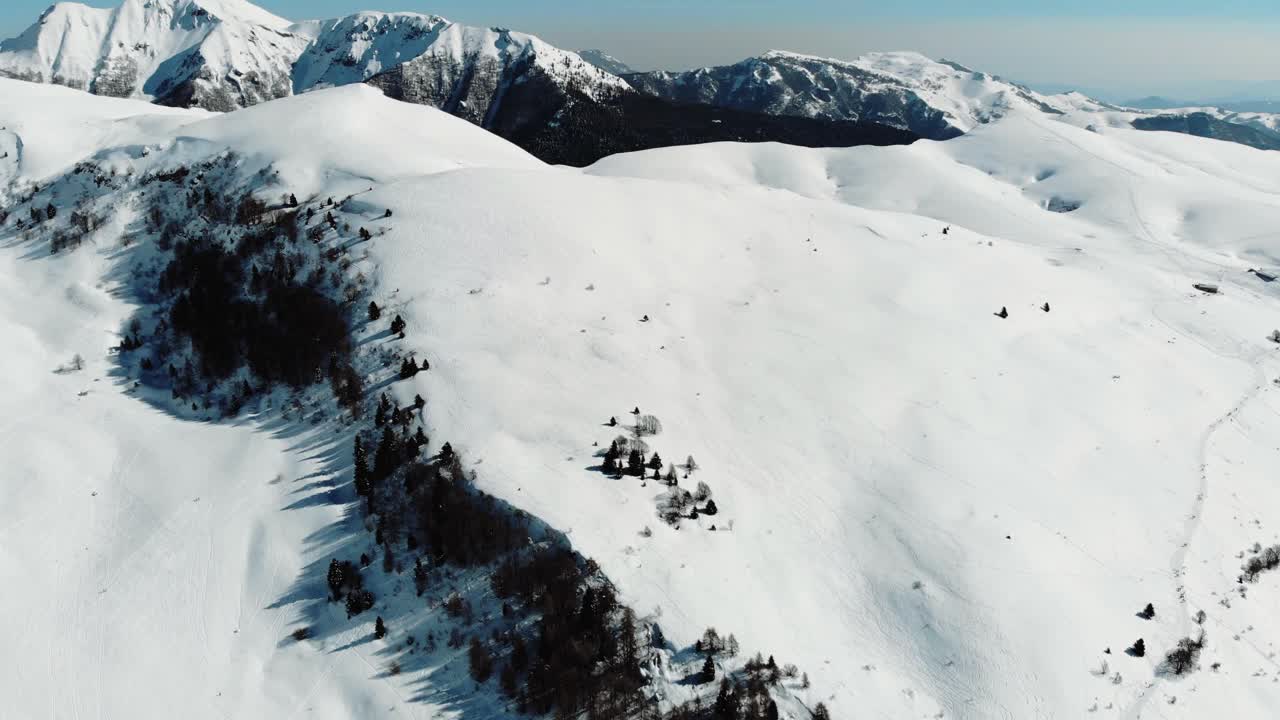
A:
[(928, 508), (153, 547)]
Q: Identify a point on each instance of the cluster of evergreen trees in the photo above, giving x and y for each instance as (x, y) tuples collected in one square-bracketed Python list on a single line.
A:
[(587, 653), (346, 583), (629, 456), (740, 696), (238, 288), (288, 333)]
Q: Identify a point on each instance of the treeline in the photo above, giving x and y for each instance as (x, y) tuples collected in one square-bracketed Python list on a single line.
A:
[(584, 653)]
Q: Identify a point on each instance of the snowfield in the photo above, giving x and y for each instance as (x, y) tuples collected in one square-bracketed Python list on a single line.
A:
[(931, 510)]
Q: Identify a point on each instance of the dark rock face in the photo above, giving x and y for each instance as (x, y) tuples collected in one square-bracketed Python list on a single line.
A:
[(802, 87), (583, 130), (569, 124)]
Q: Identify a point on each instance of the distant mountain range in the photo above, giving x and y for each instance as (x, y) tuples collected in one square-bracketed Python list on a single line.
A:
[(1156, 102), (566, 107), (935, 99), (227, 54), (1202, 124)]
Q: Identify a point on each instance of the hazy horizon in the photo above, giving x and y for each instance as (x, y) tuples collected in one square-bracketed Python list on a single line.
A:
[(1175, 48)]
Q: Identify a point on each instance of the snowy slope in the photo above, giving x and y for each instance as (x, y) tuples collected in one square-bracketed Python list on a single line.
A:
[(933, 510), (158, 557), (929, 509)]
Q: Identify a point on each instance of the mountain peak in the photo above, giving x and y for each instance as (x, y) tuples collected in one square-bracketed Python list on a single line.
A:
[(605, 61)]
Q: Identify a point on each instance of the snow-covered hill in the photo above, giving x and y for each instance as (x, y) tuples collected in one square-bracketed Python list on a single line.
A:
[(936, 99), (930, 509)]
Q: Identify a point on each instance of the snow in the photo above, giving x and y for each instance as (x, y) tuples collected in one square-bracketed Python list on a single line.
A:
[(928, 508), (151, 560), (144, 48), (238, 54)]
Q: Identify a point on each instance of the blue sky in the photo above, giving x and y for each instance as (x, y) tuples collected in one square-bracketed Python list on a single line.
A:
[(1119, 48)]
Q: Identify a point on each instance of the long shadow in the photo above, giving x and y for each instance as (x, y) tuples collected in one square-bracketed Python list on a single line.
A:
[(425, 640)]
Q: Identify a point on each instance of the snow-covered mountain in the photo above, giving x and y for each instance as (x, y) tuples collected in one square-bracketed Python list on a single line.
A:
[(1267, 122), (935, 99), (1204, 124), (226, 54), (605, 61), (215, 54), (931, 507)]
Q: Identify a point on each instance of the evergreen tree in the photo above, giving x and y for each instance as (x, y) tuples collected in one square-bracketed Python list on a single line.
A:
[(375, 312), (726, 707), (671, 478), (409, 368), (398, 325), (635, 463), (420, 577), (387, 457), (362, 480), (379, 629), (293, 200), (1139, 648), (337, 578), (655, 463), (711, 508), (358, 601), (51, 212), (820, 712), (519, 654), (420, 439), (446, 452), (508, 681), (690, 465), (481, 662), (708, 670), (611, 458), (418, 402), (628, 650)]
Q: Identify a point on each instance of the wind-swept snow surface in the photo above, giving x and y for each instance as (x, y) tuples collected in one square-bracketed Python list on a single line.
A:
[(932, 510)]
